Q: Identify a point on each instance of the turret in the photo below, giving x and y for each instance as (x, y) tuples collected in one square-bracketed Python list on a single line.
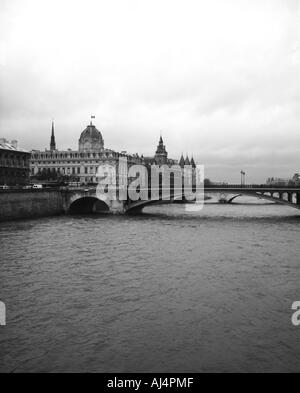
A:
[(161, 155), (181, 161), (187, 161), (193, 163)]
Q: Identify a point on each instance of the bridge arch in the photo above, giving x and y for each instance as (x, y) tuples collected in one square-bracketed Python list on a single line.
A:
[(283, 199), (88, 205), (230, 200), (137, 206), (291, 199)]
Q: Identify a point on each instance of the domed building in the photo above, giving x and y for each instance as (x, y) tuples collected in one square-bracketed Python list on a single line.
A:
[(91, 140), (77, 165), (82, 165)]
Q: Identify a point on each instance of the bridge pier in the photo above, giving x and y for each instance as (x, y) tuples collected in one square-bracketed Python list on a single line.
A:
[(117, 207), (92, 202)]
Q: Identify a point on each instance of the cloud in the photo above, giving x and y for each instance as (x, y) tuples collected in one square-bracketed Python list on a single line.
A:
[(220, 79)]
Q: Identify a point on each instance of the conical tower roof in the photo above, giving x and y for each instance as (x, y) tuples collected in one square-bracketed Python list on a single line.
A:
[(182, 161), (193, 162)]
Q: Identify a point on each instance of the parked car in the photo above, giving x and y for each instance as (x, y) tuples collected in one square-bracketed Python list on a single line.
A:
[(74, 184), (37, 186), (4, 187)]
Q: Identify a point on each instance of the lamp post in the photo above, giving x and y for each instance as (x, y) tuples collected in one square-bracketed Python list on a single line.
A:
[(243, 176)]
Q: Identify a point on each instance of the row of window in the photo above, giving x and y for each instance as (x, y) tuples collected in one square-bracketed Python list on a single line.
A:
[(62, 162), (66, 171), (52, 156), (13, 156), (47, 157), (10, 173), (14, 163)]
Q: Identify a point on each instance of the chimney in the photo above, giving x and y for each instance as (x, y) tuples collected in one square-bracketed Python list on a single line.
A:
[(14, 143)]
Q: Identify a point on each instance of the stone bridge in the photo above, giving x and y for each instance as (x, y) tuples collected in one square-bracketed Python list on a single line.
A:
[(289, 196), (85, 200), (15, 204)]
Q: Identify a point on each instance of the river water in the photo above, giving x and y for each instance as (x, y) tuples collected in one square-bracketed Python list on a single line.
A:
[(165, 291)]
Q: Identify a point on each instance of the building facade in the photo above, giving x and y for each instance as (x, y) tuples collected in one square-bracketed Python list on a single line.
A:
[(14, 164), (276, 181), (296, 179), (82, 165), (78, 165)]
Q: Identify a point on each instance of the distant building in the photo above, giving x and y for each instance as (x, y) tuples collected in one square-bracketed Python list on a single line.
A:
[(82, 165), (78, 165), (161, 159), (14, 164), (296, 179), (161, 156), (276, 181)]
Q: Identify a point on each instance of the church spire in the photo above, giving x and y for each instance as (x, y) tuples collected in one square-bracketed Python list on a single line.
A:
[(52, 142)]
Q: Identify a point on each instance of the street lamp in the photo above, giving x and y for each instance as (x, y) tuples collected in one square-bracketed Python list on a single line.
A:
[(243, 176)]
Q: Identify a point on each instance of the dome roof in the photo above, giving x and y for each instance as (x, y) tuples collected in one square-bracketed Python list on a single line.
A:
[(91, 139), (91, 132)]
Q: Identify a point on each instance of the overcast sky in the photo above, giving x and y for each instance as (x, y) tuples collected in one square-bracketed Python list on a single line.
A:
[(220, 79)]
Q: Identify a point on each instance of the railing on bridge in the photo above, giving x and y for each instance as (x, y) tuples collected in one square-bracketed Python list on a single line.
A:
[(253, 186)]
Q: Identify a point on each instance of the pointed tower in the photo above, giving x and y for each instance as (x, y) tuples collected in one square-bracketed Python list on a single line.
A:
[(187, 160), (161, 155), (181, 161), (193, 163), (52, 142)]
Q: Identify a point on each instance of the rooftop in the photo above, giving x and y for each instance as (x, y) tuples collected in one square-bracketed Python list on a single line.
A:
[(11, 146)]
